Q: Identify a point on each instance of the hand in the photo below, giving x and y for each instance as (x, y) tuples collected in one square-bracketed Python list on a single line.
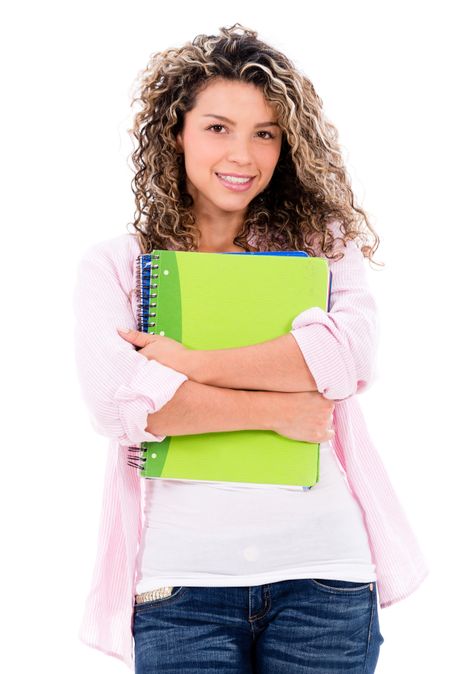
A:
[(165, 350), (306, 416)]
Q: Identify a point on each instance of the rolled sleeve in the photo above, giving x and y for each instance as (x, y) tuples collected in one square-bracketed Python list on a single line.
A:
[(339, 346), (149, 390)]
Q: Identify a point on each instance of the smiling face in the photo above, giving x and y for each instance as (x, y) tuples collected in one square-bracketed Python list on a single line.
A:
[(231, 143)]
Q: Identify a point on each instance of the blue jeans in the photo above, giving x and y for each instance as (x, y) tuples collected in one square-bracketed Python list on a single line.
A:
[(301, 626)]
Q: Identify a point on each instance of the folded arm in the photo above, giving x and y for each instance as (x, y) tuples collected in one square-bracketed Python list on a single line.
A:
[(199, 408), (331, 352)]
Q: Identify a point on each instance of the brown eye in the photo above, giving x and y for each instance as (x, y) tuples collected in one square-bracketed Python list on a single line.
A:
[(269, 135), (215, 126)]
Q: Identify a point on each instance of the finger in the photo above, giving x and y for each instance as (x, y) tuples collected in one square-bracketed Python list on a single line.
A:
[(136, 337)]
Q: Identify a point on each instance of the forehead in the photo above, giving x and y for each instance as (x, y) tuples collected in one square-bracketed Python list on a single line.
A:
[(233, 96)]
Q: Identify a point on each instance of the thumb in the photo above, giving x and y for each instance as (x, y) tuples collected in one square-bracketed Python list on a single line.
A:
[(134, 336)]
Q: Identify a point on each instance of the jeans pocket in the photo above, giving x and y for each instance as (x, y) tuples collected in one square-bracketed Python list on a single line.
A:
[(342, 585)]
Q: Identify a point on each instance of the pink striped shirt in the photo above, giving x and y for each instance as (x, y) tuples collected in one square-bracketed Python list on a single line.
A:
[(120, 387)]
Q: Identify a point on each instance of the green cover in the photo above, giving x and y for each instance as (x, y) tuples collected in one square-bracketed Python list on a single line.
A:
[(217, 301)]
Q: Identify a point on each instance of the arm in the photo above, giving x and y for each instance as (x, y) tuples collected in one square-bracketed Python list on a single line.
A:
[(335, 350), (198, 408), (332, 352), (119, 385), (252, 367), (339, 346)]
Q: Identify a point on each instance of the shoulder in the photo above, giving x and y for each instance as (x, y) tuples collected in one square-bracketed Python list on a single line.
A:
[(111, 263), (117, 251), (345, 254)]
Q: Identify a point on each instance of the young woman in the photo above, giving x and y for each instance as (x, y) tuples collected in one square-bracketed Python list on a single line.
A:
[(235, 154)]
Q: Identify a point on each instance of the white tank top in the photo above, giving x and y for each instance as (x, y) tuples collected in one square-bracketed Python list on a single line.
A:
[(225, 534)]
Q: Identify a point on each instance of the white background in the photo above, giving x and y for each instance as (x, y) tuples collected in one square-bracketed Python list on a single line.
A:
[(67, 75)]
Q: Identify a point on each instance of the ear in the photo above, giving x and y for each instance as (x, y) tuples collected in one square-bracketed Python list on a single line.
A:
[(179, 142)]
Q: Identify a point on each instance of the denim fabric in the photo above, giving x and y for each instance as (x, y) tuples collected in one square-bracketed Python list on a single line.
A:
[(304, 626)]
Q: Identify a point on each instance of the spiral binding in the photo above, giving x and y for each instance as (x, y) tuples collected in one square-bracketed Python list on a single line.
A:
[(145, 267), (137, 456), (145, 275)]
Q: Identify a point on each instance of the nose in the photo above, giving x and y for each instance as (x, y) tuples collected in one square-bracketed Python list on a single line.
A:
[(239, 151)]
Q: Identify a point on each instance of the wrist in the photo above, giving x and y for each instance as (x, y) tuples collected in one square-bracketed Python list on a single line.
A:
[(197, 365), (265, 409)]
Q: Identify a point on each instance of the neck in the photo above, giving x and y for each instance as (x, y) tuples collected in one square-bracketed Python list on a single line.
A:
[(218, 234)]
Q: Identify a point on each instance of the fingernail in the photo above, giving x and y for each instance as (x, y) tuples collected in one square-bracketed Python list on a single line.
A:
[(124, 330)]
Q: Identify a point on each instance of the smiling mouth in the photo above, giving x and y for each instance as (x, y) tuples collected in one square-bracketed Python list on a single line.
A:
[(235, 179), (236, 183)]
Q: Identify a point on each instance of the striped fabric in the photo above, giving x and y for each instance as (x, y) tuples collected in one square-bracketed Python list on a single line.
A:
[(120, 387)]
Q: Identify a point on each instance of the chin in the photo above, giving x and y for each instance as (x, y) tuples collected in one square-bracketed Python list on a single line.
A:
[(235, 202)]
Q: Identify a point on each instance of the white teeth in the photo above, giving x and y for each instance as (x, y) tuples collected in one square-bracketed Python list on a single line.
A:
[(234, 179)]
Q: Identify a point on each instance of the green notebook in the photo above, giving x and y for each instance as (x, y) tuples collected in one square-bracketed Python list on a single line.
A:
[(217, 301)]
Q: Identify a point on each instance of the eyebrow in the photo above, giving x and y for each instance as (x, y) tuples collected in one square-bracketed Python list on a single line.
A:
[(230, 121)]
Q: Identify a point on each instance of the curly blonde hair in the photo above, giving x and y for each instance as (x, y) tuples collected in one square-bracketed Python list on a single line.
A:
[(309, 186)]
